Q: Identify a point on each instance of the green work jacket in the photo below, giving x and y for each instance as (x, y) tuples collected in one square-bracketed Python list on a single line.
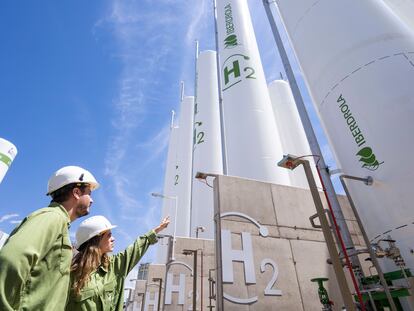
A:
[(35, 262), (105, 289)]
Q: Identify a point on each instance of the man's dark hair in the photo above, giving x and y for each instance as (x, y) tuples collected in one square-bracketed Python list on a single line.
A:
[(63, 194)]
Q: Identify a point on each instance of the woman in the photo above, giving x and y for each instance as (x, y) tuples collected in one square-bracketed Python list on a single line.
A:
[(97, 279)]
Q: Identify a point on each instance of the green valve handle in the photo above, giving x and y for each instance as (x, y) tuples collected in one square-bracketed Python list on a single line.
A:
[(322, 292)]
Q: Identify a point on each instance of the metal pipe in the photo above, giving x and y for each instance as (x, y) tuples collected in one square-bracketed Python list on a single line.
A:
[(222, 125), (210, 289), (193, 131), (201, 278), (336, 262), (172, 119), (310, 134), (159, 295), (167, 265), (342, 245), (195, 281), (366, 240)]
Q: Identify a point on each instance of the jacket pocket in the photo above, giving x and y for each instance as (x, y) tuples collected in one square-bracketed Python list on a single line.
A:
[(85, 294), (66, 254), (109, 295)]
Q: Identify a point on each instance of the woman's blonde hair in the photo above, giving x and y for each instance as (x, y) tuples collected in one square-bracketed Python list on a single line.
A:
[(87, 260)]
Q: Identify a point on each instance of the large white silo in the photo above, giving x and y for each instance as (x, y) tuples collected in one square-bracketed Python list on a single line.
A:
[(169, 192), (207, 155), (290, 127), (184, 165), (358, 63), (252, 142), (8, 152), (404, 9)]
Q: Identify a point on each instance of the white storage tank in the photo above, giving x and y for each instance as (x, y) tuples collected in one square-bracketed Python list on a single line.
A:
[(404, 9), (207, 155), (358, 61), (8, 152), (182, 176), (252, 141), (291, 130), (169, 192)]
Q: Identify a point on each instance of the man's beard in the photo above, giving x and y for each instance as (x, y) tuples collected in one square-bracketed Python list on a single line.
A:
[(82, 210)]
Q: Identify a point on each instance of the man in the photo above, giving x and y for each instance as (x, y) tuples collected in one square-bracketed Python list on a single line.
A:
[(35, 261)]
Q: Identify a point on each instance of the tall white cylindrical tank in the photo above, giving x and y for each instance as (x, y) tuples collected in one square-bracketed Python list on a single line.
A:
[(169, 192), (291, 130), (3, 237), (358, 61), (8, 152), (404, 9), (252, 141), (184, 165), (207, 155)]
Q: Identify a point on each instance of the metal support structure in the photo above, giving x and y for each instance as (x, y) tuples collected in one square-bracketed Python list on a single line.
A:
[(159, 291), (169, 261), (201, 277), (196, 54), (219, 259), (194, 253), (211, 293), (310, 135), (368, 181), (222, 124), (142, 300), (292, 163)]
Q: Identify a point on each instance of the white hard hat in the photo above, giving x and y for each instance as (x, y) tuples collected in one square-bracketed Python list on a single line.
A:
[(91, 227), (68, 175)]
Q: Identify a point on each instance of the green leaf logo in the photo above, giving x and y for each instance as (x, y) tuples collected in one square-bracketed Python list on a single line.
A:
[(367, 157), (230, 41)]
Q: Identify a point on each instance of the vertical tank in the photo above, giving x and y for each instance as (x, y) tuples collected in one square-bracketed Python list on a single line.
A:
[(252, 141), (404, 9), (357, 58), (170, 191), (8, 152), (184, 164), (207, 156), (291, 130)]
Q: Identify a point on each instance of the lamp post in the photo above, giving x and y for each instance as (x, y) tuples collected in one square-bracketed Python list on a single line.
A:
[(194, 253), (291, 162), (175, 198), (199, 229), (142, 300), (130, 293), (159, 291)]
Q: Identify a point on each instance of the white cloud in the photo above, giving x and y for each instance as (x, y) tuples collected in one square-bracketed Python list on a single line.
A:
[(7, 216), (152, 60), (16, 221)]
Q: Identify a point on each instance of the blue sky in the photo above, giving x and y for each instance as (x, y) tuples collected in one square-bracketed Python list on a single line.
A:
[(92, 83)]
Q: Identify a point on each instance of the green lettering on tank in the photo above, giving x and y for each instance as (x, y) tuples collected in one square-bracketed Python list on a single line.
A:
[(5, 159), (366, 156)]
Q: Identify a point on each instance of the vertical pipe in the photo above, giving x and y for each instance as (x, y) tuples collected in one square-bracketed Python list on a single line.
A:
[(219, 259), (336, 262), (193, 131), (368, 244), (195, 281), (159, 295), (342, 245), (310, 135), (222, 124), (201, 277)]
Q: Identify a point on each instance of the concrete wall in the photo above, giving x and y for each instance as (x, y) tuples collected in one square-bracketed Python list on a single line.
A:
[(296, 248)]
